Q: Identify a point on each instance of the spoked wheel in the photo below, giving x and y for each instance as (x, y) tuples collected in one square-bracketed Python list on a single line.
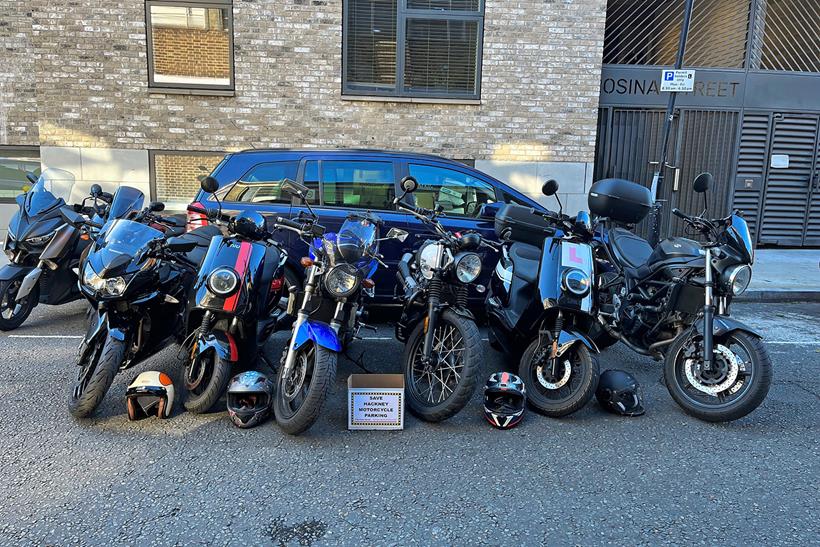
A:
[(206, 378), (13, 313), (96, 374), (301, 391), (439, 388), (737, 383), (565, 390)]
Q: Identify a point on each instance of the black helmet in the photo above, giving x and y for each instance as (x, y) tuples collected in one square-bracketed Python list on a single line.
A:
[(504, 399), (619, 392), (249, 224), (249, 398)]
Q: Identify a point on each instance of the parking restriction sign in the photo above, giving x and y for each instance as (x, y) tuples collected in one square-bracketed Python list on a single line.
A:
[(678, 80)]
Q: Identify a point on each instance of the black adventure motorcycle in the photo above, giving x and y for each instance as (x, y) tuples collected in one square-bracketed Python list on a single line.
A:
[(673, 302), (43, 250), (236, 297), (442, 352), (138, 283), (541, 298)]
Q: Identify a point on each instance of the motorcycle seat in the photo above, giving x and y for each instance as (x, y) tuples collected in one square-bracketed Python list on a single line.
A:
[(525, 259), (202, 237), (631, 250)]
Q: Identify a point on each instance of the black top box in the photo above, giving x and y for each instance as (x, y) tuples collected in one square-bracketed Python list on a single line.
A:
[(620, 200), (520, 223)]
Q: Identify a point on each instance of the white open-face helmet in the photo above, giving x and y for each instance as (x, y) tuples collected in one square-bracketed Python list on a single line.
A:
[(150, 394)]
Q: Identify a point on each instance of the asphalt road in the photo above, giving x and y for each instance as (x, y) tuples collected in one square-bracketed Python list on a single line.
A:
[(592, 478)]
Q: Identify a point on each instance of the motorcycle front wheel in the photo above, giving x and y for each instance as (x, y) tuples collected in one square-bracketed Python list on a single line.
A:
[(302, 391), (10, 316), (565, 392), (206, 379), (441, 388), (96, 376), (736, 385)]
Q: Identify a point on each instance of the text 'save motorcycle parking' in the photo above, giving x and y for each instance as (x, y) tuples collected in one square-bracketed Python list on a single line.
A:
[(673, 301), (339, 267), (442, 354)]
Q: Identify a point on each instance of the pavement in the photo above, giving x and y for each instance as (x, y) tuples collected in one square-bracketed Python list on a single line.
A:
[(785, 274), (592, 478)]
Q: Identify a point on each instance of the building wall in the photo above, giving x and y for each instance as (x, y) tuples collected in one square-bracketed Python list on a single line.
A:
[(538, 109)]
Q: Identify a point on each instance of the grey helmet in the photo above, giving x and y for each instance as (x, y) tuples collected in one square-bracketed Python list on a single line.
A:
[(250, 395), (619, 392)]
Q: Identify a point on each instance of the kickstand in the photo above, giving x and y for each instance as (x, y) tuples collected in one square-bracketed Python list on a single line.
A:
[(358, 361)]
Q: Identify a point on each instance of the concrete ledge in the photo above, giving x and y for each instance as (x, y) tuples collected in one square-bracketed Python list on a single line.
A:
[(779, 296)]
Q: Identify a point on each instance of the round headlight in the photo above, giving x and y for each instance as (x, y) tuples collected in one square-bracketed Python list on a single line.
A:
[(222, 281), (577, 282), (468, 267), (342, 280), (737, 278), (114, 286)]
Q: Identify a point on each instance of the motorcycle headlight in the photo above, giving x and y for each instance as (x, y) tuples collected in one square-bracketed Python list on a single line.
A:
[(737, 278), (342, 280), (91, 279), (431, 257), (468, 267), (576, 282), (114, 286), (40, 240), (223, 281)]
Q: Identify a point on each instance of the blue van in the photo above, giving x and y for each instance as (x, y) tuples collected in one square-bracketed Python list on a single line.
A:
[(342, 181)]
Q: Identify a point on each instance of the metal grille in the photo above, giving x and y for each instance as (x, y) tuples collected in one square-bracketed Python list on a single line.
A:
[(751, 167), (790, 31), (646, 32)]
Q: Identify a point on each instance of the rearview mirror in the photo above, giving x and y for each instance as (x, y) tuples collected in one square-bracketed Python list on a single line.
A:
[(179, 245), (30, 176), (96, 190), (702, 182), (550, 187), (294, 188), (156, 206), (209, 184), (396, 233), (409, 185)]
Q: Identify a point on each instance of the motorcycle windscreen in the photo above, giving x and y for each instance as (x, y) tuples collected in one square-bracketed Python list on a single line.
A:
[(122, 248), (741, 237), (356, 241), (125, 201), (52, 189), (566, 269)]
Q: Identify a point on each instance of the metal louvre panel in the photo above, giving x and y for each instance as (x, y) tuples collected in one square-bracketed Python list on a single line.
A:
[(646, 32), (447, 5), (812, 236), (786, 198), (790, 36), (441, 56), (371, 43), (751, 164)]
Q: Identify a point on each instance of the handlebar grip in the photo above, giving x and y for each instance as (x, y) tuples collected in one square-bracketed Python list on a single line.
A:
[(195, 209), (288, 222), (677, 212)]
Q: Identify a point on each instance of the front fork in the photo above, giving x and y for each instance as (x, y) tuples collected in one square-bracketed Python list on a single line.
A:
[(302, 314), (708, 314), (433, 307)]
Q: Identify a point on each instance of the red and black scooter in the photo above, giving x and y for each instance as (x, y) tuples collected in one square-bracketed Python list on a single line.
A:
[(236, 297)]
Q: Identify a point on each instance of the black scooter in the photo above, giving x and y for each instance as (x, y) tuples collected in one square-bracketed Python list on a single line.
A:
[(44, 252), (236, 300)]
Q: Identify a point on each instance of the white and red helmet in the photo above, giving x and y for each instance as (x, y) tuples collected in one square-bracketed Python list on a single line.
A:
[(150, 394), (504, 400)]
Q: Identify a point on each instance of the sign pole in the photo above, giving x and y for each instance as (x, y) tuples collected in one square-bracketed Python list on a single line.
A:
[(657, 178)]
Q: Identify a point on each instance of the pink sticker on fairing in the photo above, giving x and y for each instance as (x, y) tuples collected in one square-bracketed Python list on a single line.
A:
[(573, 256)]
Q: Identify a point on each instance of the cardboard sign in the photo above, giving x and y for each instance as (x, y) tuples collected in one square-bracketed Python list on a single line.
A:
[(678, 80), (375, 401)]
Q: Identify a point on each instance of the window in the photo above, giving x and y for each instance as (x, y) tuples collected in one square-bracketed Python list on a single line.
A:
[(413, 48), (15, 162), (311, 180), (263, 183), (458, 193), (190, 44), (359, 184), (175, 176)]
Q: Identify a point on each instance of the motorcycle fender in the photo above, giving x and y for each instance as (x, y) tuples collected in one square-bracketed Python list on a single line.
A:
[(116, 334), (567, 338), (11, 272), (724, 325), (463, 312), (102, 323), (319, 333), (29, 282), (221, 342)]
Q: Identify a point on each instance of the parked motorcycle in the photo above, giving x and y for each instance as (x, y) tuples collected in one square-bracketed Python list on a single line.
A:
[(442, 352), (542, 298), (237, 292), (137, 281), (673, 302), (339, 267), (44, 251)]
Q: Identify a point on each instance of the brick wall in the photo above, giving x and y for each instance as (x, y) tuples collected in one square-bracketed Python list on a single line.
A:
[(541, 70), (191, 52), (18, 101), (176, 175)]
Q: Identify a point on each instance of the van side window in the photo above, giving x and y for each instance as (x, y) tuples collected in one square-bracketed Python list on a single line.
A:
[(358, 184), (311, 180), (458, 193), (263, 183)]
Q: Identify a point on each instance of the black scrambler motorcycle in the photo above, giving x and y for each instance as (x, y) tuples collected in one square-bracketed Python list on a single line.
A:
[(44, 252), (328, 311), (542, 298), (236, 297), (442, 352), (138, 282), (673, 301)]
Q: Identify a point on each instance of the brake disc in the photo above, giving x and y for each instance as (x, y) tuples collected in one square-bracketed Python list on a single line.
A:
[(554, 385), (694, 372)]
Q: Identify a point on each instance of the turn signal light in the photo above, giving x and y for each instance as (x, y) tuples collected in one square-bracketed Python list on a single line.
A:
[(368, 283), (306, 262), (85, 237), (276, 284)]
